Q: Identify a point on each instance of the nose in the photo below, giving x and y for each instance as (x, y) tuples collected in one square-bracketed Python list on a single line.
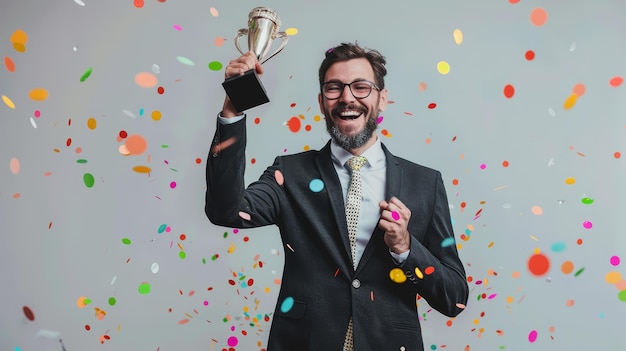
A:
[(346, 94)]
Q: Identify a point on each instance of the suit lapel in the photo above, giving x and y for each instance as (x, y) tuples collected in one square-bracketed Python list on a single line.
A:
[(335, 193), (393, 184)]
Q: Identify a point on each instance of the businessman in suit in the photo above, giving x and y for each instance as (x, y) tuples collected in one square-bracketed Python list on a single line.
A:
[(363, 242)]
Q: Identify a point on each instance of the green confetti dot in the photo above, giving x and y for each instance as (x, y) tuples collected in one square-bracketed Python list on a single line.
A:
[(622, 296), (587, 200), (225, 319), (203, 260), (165, 146), (182, 255), (112, 301), (215, 66), (89, 180), (579, 272), (87, 301), (144, 288), (85, 75), (126, 241), (81, 160), (185, 61), (225, 234), (214, 257)]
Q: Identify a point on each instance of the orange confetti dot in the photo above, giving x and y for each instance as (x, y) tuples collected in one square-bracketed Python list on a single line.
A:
[(536, 210), (219, 41), (567, 267), (146, 79), (9, 64), (538, 264), (509, 91), (384, 132), (579, 241), (570, 101), (136, 144), (138, 3), (422, 86), (617, 154), (538, 16), (505, 163), (579, 89), (455, 182)]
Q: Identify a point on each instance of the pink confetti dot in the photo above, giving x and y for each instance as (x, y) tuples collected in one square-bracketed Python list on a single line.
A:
[(615, 260), (395, 215), (206, 303), (483, 166), (177, 27), (587, 224), (37, 113), (173, 185), (532, 336), (233, 341)]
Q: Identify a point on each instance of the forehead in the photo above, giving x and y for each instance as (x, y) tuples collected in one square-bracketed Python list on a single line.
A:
[(347, 71)]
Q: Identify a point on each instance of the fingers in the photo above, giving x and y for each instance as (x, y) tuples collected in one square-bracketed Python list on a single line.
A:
[(394, 210), (243, 64)]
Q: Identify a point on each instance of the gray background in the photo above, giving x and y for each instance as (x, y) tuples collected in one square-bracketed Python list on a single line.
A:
[(62, 240)]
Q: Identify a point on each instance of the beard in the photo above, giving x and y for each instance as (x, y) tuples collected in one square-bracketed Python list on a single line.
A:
[(355, 141)]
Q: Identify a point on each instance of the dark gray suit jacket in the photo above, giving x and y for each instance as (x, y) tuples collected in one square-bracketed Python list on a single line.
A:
[(318, 273)]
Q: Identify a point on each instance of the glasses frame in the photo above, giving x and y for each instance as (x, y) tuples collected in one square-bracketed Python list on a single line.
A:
[(349, 85)]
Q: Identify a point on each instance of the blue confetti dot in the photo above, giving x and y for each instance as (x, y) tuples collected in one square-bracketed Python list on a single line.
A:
[(447, 242), (558, 246), (287, 305), (316, 185)]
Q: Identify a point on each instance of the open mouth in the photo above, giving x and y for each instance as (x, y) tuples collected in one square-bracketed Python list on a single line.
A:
[(349, 114)]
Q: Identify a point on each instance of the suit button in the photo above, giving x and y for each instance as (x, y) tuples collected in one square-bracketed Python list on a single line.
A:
[(356, 283), (402, 348)]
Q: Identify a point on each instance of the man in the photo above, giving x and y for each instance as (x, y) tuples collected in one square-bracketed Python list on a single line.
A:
[(353, 268)]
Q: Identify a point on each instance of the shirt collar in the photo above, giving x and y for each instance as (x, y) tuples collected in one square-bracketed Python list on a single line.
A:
[(374, 154)]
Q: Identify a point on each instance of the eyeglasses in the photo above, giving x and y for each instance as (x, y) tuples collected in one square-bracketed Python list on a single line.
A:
[(360, 89)]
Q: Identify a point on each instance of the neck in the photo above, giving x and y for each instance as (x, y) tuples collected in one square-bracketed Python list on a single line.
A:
[(358, 151)]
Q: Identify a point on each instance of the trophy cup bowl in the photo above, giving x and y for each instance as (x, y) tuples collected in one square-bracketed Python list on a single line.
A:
[(246, 91)]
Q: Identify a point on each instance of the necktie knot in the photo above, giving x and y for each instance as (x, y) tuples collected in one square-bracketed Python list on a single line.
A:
[(356, 162)]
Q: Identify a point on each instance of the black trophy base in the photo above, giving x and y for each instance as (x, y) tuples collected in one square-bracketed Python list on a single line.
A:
[(245, 91)]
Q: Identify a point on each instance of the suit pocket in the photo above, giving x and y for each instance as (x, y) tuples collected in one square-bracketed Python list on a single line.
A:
[(295, 312)]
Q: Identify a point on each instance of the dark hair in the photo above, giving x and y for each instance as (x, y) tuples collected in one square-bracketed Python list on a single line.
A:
[(348, 51)]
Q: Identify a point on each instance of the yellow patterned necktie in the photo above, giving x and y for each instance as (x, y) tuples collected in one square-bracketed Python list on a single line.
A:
[(353, 207)]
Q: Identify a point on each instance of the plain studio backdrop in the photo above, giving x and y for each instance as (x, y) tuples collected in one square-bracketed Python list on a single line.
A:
[(108, 109)]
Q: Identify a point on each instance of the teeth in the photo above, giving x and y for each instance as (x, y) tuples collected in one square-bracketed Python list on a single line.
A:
[(350, 113)]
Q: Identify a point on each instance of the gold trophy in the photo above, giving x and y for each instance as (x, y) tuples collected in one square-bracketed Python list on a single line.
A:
[(246, 91)]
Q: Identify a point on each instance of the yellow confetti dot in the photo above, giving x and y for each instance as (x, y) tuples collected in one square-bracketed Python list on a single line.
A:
[(92, 123), (142, 169), (397, 275), (443, 67), (458, 36), (570, 101), (509, 299), (8, 101), (613, 277), (291, 31), (419, 273), (38, 94), (19, 47), (317, 118), (156, 115), (306, 148), (570, 181)]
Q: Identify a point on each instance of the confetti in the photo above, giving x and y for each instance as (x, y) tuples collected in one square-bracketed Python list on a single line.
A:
[(509, 91), (8, 102), (458, 36), (144, 288), (136, 144), (443, 67), (14, 165), (86, 74), (215, 65), (38, 94), (146, 80), (185, 61), (9, 64), (538, 16), (316, 185), (397, 276), (79, 2), (287, 304), (447, 242), (532, 336), (214, 12), (615, 260), (294, 124), (89, 180), (538, 264), (616, 81), (28, 313), (291, 31)]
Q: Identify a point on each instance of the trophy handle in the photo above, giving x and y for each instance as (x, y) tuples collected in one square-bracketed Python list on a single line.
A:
[(285, 38), (239, 34)]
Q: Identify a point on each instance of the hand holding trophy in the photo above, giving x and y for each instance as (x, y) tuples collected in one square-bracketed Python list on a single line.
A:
[(246, 91)]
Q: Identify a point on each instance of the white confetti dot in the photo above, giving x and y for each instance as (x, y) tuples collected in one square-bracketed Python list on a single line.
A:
[(32, 121), (156, 69), (79, 2), (155, 268)]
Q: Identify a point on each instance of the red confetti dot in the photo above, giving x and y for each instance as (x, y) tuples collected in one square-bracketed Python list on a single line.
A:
[(183, 237), (198, 160), (160, 90), (538, 264), (231, 282), (429, 270), (432, 105), (257, 120), (294, 124), (617, 154), (530, 55), (246, 239), (123, 134), (307, 127), (250, 282), (384, 132), (68, 142), (455, 182), (505, 163), (616, 81), (253, 160), (293, 104), (87, 327), (463, 204), (28, 313), (579, 241), (509, 91), (138, 3)]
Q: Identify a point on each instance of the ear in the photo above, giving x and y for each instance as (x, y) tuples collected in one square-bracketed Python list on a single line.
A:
[(382, 100), (319, 101)]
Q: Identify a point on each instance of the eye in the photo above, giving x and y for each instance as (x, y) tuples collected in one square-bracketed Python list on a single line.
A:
[(333, 87), (361, 86)]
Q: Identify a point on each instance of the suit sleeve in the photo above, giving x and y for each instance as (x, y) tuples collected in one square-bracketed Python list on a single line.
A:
[(228, 203), (445, 288)]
